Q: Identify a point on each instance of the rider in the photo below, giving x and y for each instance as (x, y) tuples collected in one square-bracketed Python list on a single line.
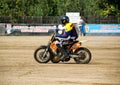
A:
[(70, 34)]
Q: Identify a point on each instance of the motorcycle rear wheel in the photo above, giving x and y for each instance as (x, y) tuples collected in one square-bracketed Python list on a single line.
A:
[(38, 55), (84, 56)]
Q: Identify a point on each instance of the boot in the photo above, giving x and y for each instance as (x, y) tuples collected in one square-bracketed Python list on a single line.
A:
[(63, 51)]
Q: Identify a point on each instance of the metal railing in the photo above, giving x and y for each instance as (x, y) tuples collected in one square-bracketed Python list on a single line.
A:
[(56, 19)]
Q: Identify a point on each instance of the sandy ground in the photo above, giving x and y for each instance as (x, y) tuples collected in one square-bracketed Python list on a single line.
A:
[(18, 67)]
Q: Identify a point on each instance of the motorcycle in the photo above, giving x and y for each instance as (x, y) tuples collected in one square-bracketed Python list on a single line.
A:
[(50, 52)]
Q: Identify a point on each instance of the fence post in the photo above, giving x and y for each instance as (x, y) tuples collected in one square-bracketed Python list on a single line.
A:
[(2, 29)]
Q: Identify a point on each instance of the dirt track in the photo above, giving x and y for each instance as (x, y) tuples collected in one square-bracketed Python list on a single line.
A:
[(18, 67)]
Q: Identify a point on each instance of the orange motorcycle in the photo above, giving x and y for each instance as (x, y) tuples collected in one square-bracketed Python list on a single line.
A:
[(50, 52)]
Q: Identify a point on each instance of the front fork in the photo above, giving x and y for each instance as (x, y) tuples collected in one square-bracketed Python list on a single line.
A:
[(47, 49), (44, 53)]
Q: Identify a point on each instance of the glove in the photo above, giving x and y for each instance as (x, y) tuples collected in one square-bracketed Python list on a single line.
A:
[(57, 35)]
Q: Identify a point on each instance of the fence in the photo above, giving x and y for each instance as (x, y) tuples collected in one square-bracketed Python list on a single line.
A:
[(56, 19)]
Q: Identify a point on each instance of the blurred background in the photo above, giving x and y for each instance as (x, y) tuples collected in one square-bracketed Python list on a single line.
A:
[(48, 12)]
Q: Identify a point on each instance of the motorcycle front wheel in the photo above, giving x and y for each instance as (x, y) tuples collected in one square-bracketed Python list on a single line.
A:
[(84, 56), (42, 54)]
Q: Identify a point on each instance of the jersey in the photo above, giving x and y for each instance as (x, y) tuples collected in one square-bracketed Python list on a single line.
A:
[(70, 31)]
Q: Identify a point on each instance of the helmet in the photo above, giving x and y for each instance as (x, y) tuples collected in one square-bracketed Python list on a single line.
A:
[(64, 19)]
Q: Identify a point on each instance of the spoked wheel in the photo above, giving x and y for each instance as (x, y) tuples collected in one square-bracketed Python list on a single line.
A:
[(84, 56), (41, 55)]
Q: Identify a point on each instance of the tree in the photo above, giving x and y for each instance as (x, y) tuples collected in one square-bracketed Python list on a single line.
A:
[(16, 8), (109, 7)]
